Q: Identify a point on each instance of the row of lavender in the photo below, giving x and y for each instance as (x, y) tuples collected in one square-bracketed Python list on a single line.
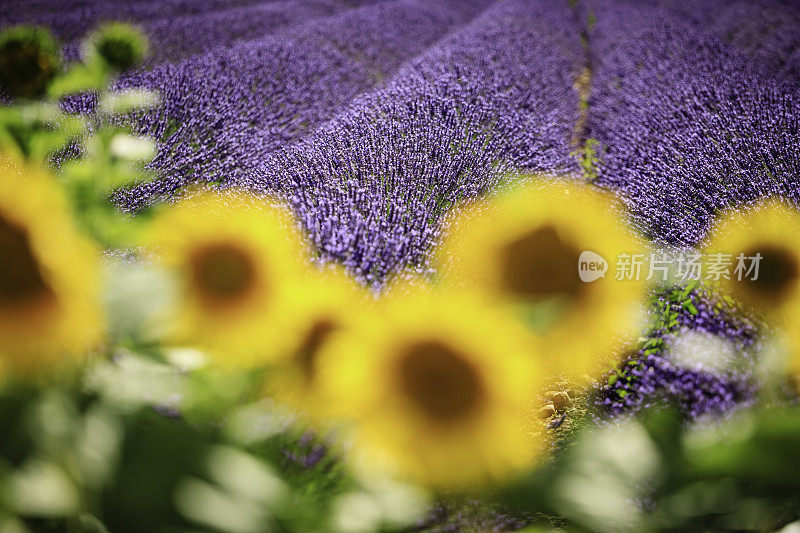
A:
[(224, 112), (372, 185), (174, 38), (765, 29), (72, 19), (689, 124), (182, 29)]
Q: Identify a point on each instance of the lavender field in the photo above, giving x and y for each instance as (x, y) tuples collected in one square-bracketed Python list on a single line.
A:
[(399, 265)]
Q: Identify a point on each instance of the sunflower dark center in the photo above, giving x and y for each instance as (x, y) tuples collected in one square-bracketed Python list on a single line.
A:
[(21, 279), (539, 264), (119, 53), (223, 273), (306, 355), (25, 68), (444, 385), (778, 272)]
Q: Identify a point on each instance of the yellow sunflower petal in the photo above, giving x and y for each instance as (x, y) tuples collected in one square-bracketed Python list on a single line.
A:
[(769, 230), (49, 277), (522, 250), (238, 258), (330, 304), (441, 390)]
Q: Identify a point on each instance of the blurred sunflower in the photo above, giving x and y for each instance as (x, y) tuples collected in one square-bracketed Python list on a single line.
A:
[(49, 277), (331, 304), (441, 390), (29, 60), (117, 45), (523, 249), (786, 344), (238, 259), (761, 245)]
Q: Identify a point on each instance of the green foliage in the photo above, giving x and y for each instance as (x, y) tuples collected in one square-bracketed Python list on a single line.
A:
[(667, 306), (656, 473), (591, 20), (108, 157), (72, 457), (34, 131), (587, 155)]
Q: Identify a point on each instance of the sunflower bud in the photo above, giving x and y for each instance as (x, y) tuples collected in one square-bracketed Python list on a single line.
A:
[(119, 46), (29, 59)]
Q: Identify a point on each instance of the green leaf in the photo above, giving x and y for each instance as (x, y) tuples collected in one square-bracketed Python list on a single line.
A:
[(79, 78), (691, 286), (653, 342), (134, 294)]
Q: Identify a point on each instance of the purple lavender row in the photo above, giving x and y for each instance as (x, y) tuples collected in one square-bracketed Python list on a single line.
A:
[(23, 8), (372, 185), (174, 35), (223, 112), (696, 390), (72, 19), (174, 38), (179, 37), (767, 30), (688, 124)]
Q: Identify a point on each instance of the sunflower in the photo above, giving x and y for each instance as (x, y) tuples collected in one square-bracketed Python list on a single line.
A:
[(330, 304), (761, 248), (238, 259), (522, 249), (117, 45), (50, 307), (786, 344), (441, 391), (29, 60)]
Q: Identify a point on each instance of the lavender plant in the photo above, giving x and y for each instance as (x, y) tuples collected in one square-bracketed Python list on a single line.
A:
[(224, 112), (687, 124), (371, 185), (765, 29), (653, 374), (73, 19)]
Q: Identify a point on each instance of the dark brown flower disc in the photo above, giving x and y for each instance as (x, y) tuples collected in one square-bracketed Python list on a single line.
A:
[(21, 280), (442, 383), (778, 273), (314, 340), (223, 274), (539, 265)]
